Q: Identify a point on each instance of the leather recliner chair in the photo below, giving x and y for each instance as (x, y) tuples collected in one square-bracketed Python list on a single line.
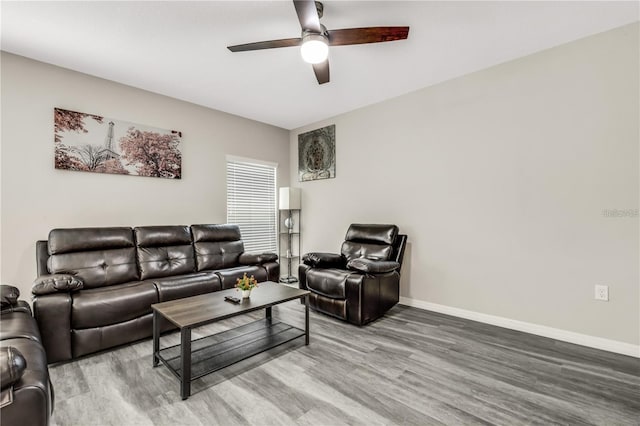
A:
[(362, 282)]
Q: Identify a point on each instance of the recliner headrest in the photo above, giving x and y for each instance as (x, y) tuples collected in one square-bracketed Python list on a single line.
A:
[(215, 233), (372, 234), (162, 236), (84, 239)]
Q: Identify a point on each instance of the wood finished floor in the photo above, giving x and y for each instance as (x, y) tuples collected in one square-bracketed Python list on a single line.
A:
[(412, 367)]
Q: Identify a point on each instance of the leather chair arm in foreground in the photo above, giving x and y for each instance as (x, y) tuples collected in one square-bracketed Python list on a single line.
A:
[(26, 397), (12, 366)]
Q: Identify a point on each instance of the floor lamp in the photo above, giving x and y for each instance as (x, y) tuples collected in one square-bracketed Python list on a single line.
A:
[(289, 201)]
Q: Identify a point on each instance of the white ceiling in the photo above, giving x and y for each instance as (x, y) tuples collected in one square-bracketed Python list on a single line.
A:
[(178, 48)]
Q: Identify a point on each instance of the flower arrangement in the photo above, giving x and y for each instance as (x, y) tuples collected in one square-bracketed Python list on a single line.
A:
[(246, 283)]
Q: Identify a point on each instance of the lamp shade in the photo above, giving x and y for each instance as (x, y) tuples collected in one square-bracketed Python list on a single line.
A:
[(289, 199)]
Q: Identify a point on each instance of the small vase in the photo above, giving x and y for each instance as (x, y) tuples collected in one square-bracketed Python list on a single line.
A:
[(246, 294)]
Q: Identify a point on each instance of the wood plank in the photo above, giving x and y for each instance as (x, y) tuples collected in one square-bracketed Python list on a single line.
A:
[(411, 367)]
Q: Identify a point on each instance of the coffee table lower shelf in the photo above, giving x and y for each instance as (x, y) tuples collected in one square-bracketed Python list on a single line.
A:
[(212, 353)]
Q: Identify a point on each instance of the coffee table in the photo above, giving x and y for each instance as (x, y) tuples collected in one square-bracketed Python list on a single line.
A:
[(191, 360)]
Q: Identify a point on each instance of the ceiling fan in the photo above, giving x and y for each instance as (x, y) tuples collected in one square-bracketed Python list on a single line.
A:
[(316, 39)]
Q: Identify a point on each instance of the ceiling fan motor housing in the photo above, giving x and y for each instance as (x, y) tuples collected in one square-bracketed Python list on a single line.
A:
[(324, 33)]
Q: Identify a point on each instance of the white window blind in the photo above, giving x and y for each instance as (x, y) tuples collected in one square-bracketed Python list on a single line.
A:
[(251, 203)]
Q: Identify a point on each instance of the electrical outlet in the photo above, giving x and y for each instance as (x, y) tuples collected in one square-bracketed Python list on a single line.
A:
[(602, 293)]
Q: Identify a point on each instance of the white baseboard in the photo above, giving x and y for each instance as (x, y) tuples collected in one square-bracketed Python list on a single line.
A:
[(540, 330)]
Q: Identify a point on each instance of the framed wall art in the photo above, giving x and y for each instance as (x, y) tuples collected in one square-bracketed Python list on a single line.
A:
[(317, 154), (93, 143)]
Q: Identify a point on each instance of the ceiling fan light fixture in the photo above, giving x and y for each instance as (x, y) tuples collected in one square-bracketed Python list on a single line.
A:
[(314, 49)]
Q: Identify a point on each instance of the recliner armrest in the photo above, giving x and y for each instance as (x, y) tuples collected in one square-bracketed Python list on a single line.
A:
[(8, 296), (47, 284), (257, 258), (369, 266), (12, 366), (324, 260)]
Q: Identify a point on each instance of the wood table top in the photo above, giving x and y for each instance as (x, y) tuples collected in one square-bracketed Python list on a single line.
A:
[(205, 308)]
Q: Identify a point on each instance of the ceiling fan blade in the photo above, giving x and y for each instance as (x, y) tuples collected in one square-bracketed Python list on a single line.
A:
[(269, 44), (308, 15), (367, 35), (322, 72)]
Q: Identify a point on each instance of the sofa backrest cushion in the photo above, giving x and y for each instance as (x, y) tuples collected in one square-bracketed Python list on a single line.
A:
[(370, 241), (98, 256), (216, 246), (164, 251)]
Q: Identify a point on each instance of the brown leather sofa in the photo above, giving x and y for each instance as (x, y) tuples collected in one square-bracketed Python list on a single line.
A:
[(95, 286), (27, 394), (362, 282)]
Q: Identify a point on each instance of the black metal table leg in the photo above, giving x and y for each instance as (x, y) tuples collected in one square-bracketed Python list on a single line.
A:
[(156, 337), (268, 313), (185, 377), (306, 319)]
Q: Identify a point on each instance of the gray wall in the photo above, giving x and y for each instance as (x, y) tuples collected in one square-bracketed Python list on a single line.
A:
[(500, 178), (37, 198)]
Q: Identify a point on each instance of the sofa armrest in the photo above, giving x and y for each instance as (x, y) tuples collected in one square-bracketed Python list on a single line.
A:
[(20, 306), (257, 258), (8, 296), (273, 271), (53, 315), (324, 260), (48, 284), (12, 366), (369, 266)]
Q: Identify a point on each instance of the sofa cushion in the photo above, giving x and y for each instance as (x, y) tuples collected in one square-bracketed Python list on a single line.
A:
[(170, 288), (218, 255), (162, 236), (257, 258), (217, 246), (89, 340), (352, 250), (164, 251), (98, 256), (370, 241), (228, 277), (158, 262), (97, 268), (215, 233), (72, 240), (110, 305)]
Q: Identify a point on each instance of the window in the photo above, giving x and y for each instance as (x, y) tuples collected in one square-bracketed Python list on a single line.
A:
[(251, 202)]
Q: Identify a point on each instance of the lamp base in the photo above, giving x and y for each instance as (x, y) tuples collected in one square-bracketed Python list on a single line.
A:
[(288, 280)]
